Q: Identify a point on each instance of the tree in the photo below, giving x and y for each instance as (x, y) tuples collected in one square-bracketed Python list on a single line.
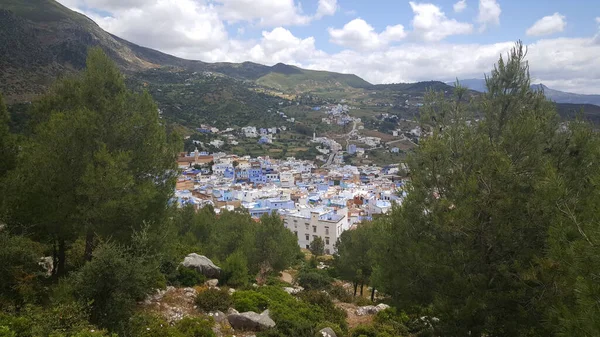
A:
[(470, 238), (98, 162), (317, 246), (353, 258), (276, 246), (7, 142)]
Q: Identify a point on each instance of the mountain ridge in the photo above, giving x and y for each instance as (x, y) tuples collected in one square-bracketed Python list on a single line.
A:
[(552, 94)]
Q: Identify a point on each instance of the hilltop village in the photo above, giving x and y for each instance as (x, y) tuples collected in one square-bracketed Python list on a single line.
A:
[(313, 202)]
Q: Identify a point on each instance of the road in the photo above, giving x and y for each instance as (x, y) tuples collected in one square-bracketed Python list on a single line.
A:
[(334, 153)]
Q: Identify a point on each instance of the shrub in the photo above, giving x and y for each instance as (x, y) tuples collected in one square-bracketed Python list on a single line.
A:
[(339, 292), (195, 327), (315, 280), (248, 300), (189, 277), (19, 270), (235, 270), (363, 330), (213, 299), (113, 282)]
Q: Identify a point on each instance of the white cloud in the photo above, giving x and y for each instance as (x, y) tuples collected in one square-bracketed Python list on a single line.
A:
[(489, 13), (548, 25), (431, 24), (262, 12), (326, 7), (358, 34), (460, 6), (195, 29)]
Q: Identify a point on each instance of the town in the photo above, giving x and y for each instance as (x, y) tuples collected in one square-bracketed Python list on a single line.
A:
[(313, 201)]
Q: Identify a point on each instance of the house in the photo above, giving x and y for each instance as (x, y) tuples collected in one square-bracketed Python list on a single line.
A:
[(395, 150), (250, 132), (217, 143), (351, 148), (309, 223), (196, 158)]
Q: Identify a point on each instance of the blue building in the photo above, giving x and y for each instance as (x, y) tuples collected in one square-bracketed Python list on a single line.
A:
[(267, 206), (352, 149)]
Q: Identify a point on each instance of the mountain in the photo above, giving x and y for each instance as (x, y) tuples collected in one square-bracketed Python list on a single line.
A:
[(41, 40), (554, 95)]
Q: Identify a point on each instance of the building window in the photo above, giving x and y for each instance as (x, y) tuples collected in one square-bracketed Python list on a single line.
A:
[(306, 226), (296, 226), (314, 229), (326, 240), (327, 251), (296, 233), (307, 237), (326, 230)]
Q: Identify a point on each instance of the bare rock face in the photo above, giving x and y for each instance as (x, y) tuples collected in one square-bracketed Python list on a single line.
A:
[(218, 316), (212, 283), (251, 321), (202, 264), (327, 332)]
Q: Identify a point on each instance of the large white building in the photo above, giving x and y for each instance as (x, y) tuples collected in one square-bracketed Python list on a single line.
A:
[(310, 223)]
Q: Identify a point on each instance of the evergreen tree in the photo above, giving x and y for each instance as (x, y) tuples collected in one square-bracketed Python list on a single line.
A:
[(7, 142), (470, 238), (98, 162), (317, 246)]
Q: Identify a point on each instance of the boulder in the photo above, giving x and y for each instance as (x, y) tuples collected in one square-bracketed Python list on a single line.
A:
[(232, 311), (251, 321), (293, 291), (371, 309), (327, 332), (202, 264), (212, 283), (47, 264)]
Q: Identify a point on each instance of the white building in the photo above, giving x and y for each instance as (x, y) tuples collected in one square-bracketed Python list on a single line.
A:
[(310, 223), (250, 131)]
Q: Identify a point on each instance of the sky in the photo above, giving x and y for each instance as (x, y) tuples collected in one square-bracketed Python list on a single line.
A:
[(382, 41)]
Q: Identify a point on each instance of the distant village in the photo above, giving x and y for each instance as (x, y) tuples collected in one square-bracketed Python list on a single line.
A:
[(313, 201)]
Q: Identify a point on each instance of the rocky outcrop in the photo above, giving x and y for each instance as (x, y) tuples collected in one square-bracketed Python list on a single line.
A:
[(212, 283), (327, 332), (371, 309), (218, 316), (202, 264), (293, 291), (250, 321)]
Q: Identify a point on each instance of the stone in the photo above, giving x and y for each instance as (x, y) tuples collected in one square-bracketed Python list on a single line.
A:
[(201, 264), (218, 316), (47, 264), (231, 291), (232, 311), (251, 321), (327, 332), (212, 283), (293, 291), (371, 309)]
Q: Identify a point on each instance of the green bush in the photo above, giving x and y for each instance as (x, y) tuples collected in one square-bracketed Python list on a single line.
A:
[(235, 270), (363, 330), (314, 279), (331, 313), (249, 300), (213, 299), (19, 270), (187, 277), (113, 282), (195, 327)]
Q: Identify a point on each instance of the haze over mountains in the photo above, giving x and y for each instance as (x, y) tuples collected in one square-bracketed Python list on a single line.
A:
[(554, 95)]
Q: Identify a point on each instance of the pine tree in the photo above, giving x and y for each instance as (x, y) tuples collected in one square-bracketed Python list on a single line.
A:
[(98, 162), (470, 238)]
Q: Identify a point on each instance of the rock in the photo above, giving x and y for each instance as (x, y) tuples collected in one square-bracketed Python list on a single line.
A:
[(327, 332), (371, 309), (202, 264), (293, 291), (218, 316), (47, 264), (212, 283), (231, 291), (251, 321), (381, 307), (232, 311)]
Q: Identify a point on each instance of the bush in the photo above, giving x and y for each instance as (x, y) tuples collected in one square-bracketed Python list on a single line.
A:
[(235, 270), (249, 300), (331, 313), (314, 279), (213, 299), (113, 282), (19, 270), (187, 277), (195, 327), (339, 292), (363, 330)]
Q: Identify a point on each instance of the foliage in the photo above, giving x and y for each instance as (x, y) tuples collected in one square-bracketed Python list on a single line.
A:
[(212, 299), (113, 282), (317, 246), (20, 272), (314, 279), (249, 300), (353, 259), (8, 151), (187, 277), (276, 246), (235, 270), (145, 325)]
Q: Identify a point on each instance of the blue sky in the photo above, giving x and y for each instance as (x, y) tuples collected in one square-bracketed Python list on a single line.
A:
[(382, 41)]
